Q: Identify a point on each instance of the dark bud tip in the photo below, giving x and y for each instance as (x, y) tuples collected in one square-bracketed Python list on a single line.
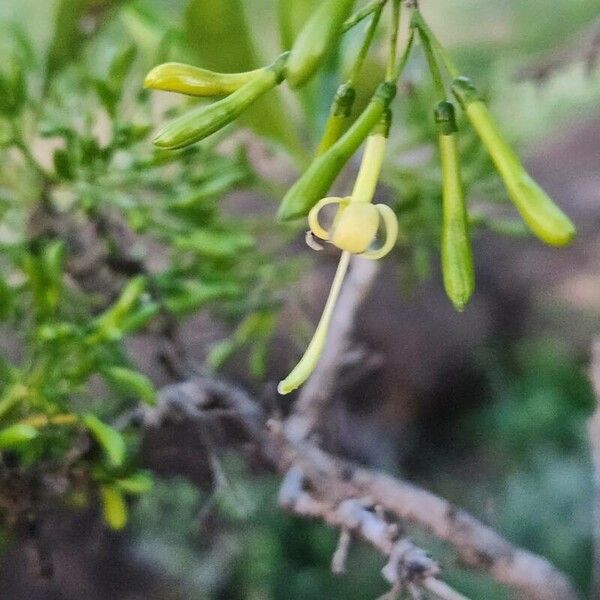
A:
[(343, 101), (445, 118), (465, 91), (386, 91)]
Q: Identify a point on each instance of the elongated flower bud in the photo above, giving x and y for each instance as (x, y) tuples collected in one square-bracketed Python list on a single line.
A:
[(205, 120), (338, 117), (316, 39), (194, 81), (457, 256), (545, 219), (320, 175)]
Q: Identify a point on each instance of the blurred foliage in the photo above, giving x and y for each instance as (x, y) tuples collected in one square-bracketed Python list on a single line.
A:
[(78, 236), (525, 453)]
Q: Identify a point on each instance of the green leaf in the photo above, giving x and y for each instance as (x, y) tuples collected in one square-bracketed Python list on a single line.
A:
[(109, 439), (218, 35), (138, 483), (69, 34), (114, 507), (189, 296), (131, 382), (63, 164), (16, 435), (215, 243)]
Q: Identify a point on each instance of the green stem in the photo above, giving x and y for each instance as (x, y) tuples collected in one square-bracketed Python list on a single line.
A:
[(434, 69), (368, 40), (391, 66), (362, 14), (424, 28), (344, 98), (31, 160), (405, 54)]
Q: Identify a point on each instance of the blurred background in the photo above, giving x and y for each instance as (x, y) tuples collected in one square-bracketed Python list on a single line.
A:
[(487, 408)]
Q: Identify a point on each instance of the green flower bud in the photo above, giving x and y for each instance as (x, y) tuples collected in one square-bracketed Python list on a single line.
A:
[(316, 39), (445, 118), (206, 120), (320, 175), (193, 81), (338, 117), (457, 256), (543, 217)]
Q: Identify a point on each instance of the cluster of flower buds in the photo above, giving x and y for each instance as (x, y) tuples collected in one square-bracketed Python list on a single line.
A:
[(359, 224), (543, 217)]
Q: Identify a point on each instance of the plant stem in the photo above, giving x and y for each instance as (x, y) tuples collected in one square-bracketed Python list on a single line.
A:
[(434, 69), (405, 54), (426, 31), (368, 40), (362, 14), (391, 66), (33, 163)]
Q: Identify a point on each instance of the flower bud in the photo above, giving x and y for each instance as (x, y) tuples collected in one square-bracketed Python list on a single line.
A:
[(457, 256), (316, 39), (194, 81), (338, 117), (545, 219), (320, 175), (206, 120)]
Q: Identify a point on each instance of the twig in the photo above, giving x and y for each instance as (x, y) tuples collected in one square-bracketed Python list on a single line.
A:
[(318, 390), (441, 590), (343, 495), (477, 545), (594, 435), (407, 564)]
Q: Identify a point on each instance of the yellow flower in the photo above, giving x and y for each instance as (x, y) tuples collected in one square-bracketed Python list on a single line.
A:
[(354, 230)]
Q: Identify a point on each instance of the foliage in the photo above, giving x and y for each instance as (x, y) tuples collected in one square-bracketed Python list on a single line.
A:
[(104, 204)]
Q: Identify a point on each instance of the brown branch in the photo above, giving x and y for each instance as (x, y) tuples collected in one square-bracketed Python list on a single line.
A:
[(407, 564), (594, 435), (314, 397), (478, 546), (334, 486)]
